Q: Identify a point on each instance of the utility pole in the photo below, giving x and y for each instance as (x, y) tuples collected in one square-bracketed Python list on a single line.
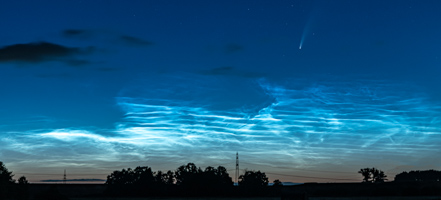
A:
[(64, 177), (237, 167)]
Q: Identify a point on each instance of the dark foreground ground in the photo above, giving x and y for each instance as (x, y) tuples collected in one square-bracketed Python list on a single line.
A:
[(268, 198), (312, 191)]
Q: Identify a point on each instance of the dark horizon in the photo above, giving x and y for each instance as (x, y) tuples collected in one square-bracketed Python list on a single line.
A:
[(368, 175)]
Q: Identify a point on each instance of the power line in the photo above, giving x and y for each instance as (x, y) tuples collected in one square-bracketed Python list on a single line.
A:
[(296, 169), (340, 179), (38, 174), (315, 177), (225, 164)]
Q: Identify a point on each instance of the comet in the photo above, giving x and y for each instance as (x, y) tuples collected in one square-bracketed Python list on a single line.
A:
[(305, 31)]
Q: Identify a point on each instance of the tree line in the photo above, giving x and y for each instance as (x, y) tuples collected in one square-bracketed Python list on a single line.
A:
[(419, 176), (186, 175), (192, 180), (185, 180), (373, 175)]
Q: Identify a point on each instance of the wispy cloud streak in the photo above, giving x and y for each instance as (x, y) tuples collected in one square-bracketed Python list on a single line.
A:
[(315, 122)]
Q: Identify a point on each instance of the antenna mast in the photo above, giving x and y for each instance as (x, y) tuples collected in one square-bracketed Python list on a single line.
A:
[(237, 167)]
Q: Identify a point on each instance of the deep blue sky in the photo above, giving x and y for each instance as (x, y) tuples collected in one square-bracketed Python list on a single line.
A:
[(97, 86)]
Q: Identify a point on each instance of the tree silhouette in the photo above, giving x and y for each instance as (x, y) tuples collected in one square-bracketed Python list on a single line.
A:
[(216, 177), (22, 189), (159, 177), (143, 176), (6, 182), (223, 176), (123, 177), (366, 173), (162, 178), (277, 183), (22, 181), (372, 175), (138, 176), (253, 179), (169, 178), (5, 175), (378, 176), (188, 175)]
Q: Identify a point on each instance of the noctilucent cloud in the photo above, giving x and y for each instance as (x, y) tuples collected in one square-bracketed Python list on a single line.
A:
[(306, 91)]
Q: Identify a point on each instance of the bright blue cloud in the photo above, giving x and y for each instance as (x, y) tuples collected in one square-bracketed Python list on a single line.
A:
[(306, 126)]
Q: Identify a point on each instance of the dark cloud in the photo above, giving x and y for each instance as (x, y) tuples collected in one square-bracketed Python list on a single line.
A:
[(124, 39), (232, 48), (134, 41), (42, 52), (75, 33), (229, 71)]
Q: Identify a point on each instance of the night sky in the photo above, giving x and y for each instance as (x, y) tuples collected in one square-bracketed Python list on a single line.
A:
[(306, 91)]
